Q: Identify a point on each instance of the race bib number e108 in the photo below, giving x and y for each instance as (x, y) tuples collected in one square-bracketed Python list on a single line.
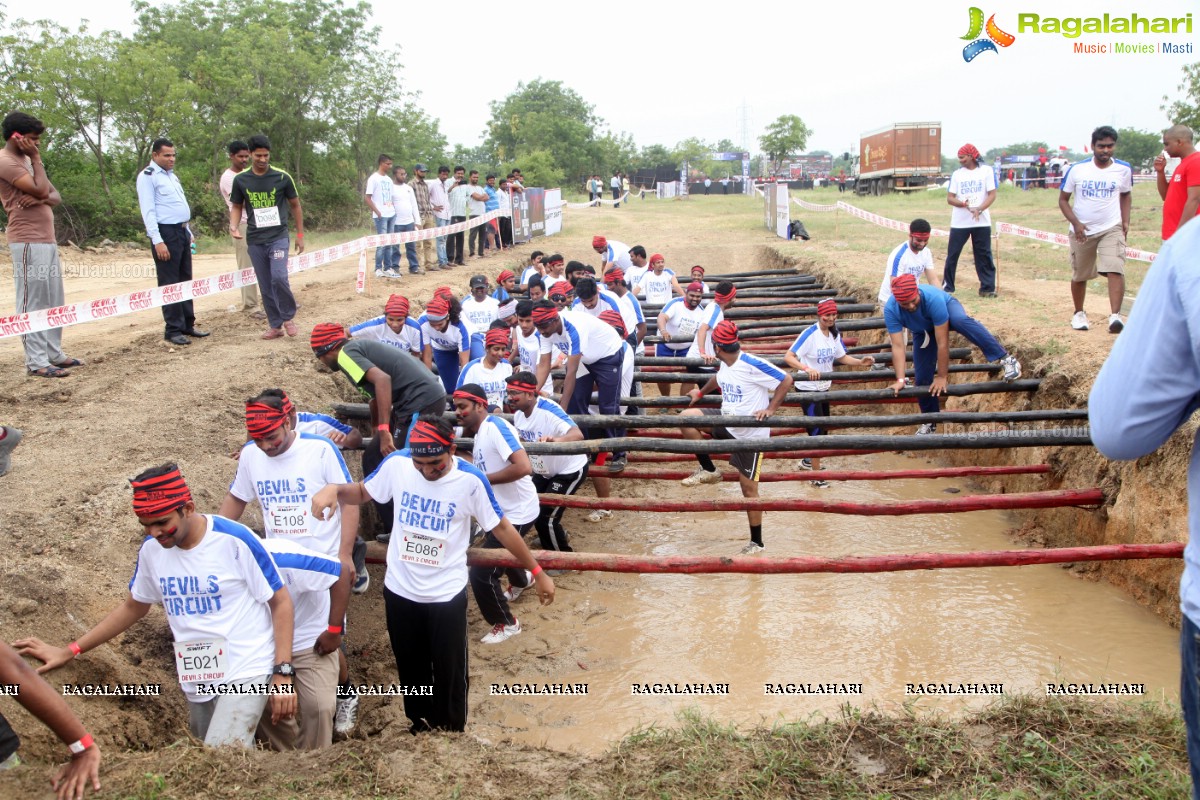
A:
[(289, 520)]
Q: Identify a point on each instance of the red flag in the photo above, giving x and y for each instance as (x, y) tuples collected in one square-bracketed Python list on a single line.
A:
[(1062, 147), (1085, 149), (1041, 149)]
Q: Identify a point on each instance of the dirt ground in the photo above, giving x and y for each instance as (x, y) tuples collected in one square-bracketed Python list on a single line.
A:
[(70, 538)]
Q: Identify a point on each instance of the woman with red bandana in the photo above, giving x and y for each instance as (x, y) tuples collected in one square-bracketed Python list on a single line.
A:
[(972, 191)]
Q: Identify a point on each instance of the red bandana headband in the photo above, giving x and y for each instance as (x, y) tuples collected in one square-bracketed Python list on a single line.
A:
[(695, 286), (426, 440), (159, 495), (496, 336), (262, 418), (599, 243), (460, 394), (920, 237), (397, 306), (615, 319), (904, 288), (615, 274), (827, 306), (544, 314), (438, 308), (325, 336), (969, 150), (726, 298), (521, 386), (725, 333), (505, 275), (698, 268)]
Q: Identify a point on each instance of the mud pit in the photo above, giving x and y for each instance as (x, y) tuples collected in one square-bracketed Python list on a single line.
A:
[(70, 544)]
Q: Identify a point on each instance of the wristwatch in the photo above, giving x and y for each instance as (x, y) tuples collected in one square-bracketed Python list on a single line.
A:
[(285, 669)]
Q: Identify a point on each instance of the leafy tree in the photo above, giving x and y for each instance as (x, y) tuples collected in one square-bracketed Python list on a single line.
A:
[(653, 156), (1138, 147), (785, 136), (1018, 149), (1186, 109), (544, 116)]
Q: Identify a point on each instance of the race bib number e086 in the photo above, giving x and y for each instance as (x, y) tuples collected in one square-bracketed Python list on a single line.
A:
[(419, 548)]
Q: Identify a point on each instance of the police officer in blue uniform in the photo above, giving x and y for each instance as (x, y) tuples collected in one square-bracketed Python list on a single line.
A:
[(166, 213)]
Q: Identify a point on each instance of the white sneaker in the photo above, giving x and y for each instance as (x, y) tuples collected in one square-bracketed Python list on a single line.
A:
[(346, 714), (752, 549), (513, 592), (1115, 325), (1012, 367), (391, 273), (700, 476), (1079, 321), (501, 632), (598, 514), (378, 273), (927, 428)]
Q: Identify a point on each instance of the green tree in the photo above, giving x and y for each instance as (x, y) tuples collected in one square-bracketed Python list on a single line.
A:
[(544, 116), (655, 155), (785, 136), (1018, 149), (1138, 147), (1186, 109)]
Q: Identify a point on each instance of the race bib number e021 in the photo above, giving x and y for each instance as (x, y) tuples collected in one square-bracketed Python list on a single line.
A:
[(202, 661), (266, 217), (420, 548), (289, 520)]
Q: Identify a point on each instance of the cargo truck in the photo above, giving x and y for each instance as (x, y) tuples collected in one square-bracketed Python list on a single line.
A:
[(902, 157)]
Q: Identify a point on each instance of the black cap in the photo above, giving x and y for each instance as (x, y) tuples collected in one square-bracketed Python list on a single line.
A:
[(479, 280)]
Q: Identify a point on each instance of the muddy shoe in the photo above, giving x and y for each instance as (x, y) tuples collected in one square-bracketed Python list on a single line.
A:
[(502, 632), (1012, 368), (702, 476), (820, 484), (752, 549), (927, 428), (346, 714), (598, 514), (513, 592)]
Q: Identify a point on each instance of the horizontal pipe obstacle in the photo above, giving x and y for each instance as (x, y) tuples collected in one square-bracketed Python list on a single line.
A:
[(837, 475), (728, 276), (664, 361), (586, 421), (1056, 498), (991, 440), (841, 376), (759, 565), (672, 458), (868, 395)]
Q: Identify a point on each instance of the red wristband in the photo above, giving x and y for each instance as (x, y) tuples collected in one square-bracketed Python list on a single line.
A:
[(75, 648), (83, 744), (537, 570), (385, 427), (334, 629)]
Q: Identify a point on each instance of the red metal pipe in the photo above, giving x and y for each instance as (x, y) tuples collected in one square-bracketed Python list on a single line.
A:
[(1058, 498), (663, 458), (836, 475), (692, 565)]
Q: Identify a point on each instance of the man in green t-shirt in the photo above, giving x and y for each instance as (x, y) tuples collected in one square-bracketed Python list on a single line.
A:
[(269, 196)]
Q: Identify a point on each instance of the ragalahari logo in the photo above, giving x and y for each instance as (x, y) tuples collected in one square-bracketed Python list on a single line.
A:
[(995, 36)]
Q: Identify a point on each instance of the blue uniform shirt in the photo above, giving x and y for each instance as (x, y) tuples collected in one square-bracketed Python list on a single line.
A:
[(1150, 384), (930, 312), (160, 195)]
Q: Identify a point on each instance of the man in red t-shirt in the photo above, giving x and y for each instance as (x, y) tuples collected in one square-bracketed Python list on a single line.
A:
[(1181, 195)]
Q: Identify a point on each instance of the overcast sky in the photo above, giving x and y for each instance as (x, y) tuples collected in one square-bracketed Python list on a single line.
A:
[(664, 70)]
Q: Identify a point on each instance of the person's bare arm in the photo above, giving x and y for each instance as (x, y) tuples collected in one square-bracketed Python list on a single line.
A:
[(283, 616), (518, 467), (897, 342), (232, 507), (116, 622)]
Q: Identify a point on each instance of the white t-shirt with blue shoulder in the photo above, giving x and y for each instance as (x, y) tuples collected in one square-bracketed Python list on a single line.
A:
[(377, 329), (746, 387), (817, 350), (1098, 193)]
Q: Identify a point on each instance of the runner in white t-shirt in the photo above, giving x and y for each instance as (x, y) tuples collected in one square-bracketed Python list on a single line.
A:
[(1099, 219), (588, 342), (230, 615), (529, 345), (612, 254), (749, 386), (478, 312), (678, 323), (492, 370), (496, 450), (395, 327), (533, 267), (697, 275), (972, 190), (657, 286), (540, 419), (814, 352), (630, 308), (911, 257), (308, 576), (435, 496)]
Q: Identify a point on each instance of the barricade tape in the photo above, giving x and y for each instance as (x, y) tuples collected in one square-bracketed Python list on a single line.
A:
[(598, 201), (104, 308), (1001, 227)]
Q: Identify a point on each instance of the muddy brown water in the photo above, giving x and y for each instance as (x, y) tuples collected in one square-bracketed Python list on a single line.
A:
[(1021, 627)]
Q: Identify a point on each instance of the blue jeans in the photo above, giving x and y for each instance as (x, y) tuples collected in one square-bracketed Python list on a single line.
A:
[(410, 249), (477, 346), (441, 241), (448, 367), (925, 349), (383, 255), (1189, 695)]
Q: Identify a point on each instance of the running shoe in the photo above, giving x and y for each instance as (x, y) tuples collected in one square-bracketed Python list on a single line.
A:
[(702, 476), (1115, 325), (599, 514), (361, 582), (752, 549), (1012, 367), (820, 484), (501, 632), (1079, 321), (346, 714), (806, 463), (927, 428), (513, 592)]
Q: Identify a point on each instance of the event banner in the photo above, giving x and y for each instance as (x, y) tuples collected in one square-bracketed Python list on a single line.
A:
[(777, 210), (520, 217), (535, 210), (554, 210)]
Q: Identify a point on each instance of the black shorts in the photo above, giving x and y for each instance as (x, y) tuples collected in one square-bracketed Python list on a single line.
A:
[(748, 465)]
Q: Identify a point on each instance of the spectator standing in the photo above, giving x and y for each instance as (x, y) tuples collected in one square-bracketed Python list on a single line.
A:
[(439, 201), (408, 217), (270, 195), (459, 191), (425, 209), (380, 199), (239, 157), (28, 198), (165, 213), (476, 199), (615, 183), (1181, 196)]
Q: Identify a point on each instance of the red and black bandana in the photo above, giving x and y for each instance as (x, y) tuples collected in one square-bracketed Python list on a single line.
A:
[(159, 495)]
